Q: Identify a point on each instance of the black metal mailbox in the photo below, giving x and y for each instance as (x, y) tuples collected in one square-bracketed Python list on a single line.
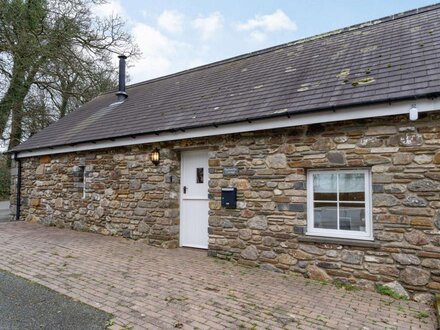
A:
[(229, 198)]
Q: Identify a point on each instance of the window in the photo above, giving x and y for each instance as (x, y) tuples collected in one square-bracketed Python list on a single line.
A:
[(199, 174), (79, 175), (83, 169), (339, 204)]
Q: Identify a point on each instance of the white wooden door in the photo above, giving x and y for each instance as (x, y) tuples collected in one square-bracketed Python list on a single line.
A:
[(194, 199)]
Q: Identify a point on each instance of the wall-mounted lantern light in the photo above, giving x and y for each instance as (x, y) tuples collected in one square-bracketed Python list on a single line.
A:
[(155, 156), (413, 113)]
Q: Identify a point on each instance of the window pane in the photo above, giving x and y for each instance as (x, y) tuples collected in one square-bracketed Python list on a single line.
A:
[(324, 187), (352, 187), (199, 175), (325, 215), (352, 216)]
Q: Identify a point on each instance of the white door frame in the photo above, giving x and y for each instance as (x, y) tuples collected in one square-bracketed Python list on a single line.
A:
[(182, 200)]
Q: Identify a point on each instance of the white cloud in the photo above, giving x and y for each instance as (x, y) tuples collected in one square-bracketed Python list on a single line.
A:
[(208, 25), (110, 8), (260, 25), (158, 52), (274, 22), (170, 21)]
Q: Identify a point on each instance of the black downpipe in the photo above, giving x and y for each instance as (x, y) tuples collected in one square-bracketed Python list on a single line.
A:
[(18, 187), (122, 95)]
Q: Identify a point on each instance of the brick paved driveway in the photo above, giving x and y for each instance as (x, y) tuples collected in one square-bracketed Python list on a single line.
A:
[(147, 287)]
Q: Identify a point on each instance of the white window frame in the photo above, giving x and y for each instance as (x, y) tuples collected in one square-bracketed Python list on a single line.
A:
[(338, 233)]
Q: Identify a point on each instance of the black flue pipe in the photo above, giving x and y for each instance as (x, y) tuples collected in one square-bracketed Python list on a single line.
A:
[(122, 95)]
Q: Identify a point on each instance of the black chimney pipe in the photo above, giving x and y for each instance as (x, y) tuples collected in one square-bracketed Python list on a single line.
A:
[(122, 95)]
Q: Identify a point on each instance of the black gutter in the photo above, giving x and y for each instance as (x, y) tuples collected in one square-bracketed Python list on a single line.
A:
[(288, 114), (18, 188)]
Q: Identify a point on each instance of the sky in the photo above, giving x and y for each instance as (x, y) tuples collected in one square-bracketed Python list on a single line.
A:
[(176, 35)]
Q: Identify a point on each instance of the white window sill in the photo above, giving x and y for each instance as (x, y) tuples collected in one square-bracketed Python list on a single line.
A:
[(340, 234), (339, 241)]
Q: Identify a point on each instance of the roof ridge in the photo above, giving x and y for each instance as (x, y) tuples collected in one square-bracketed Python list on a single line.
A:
[(350, 28)]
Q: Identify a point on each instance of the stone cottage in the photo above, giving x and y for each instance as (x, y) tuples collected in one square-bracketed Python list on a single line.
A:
[(320, 156)]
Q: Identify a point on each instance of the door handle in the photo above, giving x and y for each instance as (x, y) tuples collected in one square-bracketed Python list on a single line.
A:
[(185, 188)]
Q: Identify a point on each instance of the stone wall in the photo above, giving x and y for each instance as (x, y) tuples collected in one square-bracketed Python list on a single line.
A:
[(267, 228), (129, 196), (126, 194)]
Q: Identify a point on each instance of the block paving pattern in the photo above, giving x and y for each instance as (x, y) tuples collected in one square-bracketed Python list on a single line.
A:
[(145, 287)]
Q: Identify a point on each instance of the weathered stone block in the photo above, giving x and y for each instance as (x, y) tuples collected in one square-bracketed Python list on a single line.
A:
[(34, 202), (410, 139), (328, 265), (301, 255), (376, 159), (59, 202), (299, 230), (431, 263), (436, 158), (316, 273), (312, 249), (415, 201), (286, 259), (246, 213), (215, 205), (424, 185), (292, 207), (276, 161), (352, 257), (270, 241), (370, 142), (421, 222), (416, 237), (414, 276), (406, 259), (268, 255), (270, 267), (250, 253), (403, 158), (240, 184), (380, 200), (422, 159), (323, 144), (45, 159), (398, 288), (336, 158), (257, 222), (239, 150), (381, 130)]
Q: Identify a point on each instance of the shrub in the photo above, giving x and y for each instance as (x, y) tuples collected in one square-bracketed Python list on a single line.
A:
[(5, 177)]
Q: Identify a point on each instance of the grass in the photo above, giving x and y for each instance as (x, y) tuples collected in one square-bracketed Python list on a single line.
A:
[(386, 291), (422, 315), (345, 286), (109, 323)]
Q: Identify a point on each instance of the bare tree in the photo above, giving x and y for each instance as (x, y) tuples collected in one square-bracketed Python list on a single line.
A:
[(54, 55)]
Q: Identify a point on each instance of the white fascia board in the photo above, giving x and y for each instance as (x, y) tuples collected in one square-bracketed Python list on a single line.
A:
[(359, 112)]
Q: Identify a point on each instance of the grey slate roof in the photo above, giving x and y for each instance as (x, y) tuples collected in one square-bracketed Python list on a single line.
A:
[(397, 57)]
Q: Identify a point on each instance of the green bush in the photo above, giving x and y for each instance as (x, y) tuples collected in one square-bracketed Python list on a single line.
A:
[(5, 177)]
